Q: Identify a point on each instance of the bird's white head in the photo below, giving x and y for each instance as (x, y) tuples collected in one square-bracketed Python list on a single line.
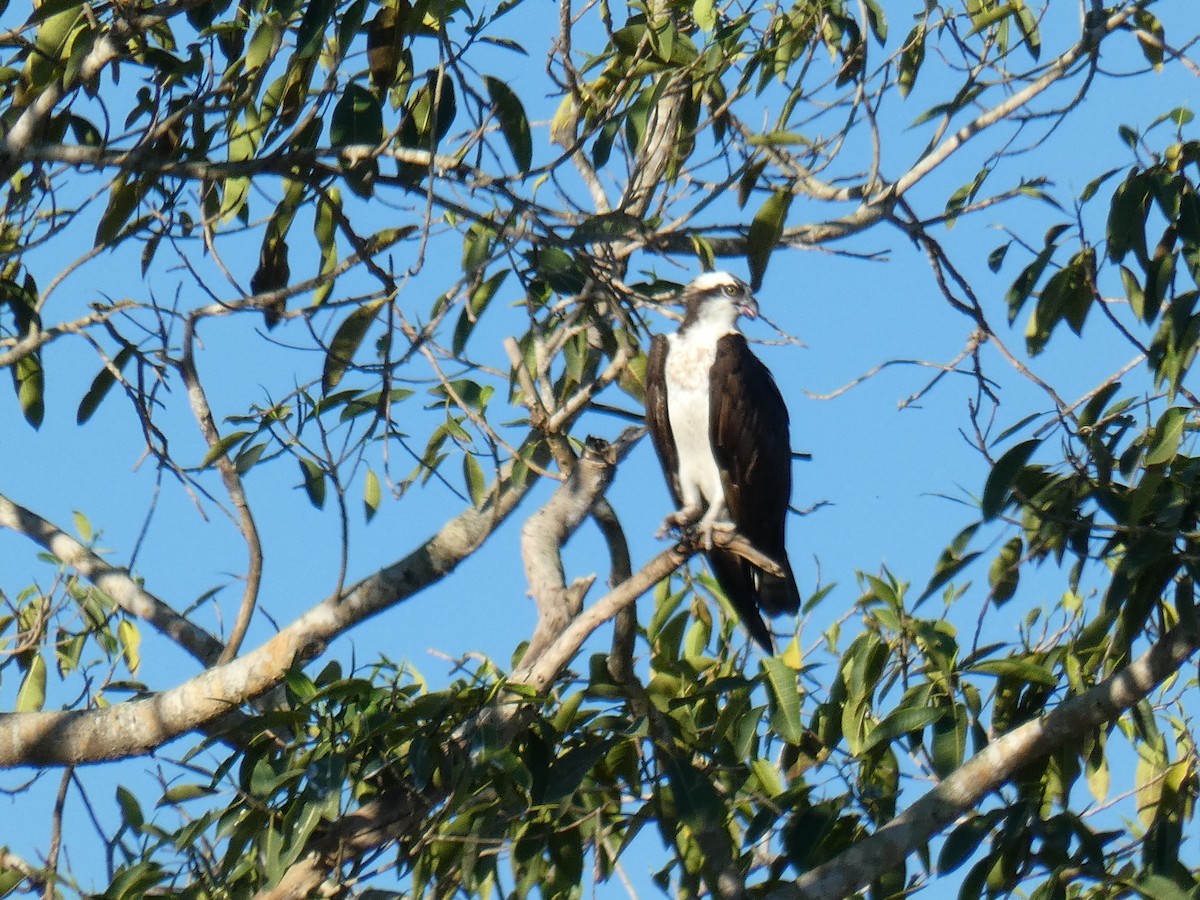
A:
[(719, 294)]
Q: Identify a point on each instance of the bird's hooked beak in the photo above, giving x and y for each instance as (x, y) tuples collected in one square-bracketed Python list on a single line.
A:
[(748, 307)]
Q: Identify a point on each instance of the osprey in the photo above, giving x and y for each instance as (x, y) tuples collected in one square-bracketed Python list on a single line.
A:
[(720, 428)]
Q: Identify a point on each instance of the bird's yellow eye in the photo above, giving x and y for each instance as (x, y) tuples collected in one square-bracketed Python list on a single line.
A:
[(732, 290)]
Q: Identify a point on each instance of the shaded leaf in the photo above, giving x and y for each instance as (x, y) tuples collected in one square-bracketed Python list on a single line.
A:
[(100, 386), (765, 232), (514, 124), (357, 118), (962, 842), (314, 481), (1000, 480), (386, 37), (900, 722), (346, 342)]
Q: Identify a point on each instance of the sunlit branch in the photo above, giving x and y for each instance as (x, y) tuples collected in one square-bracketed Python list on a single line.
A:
[(1004, 110), (959, 793), (141, 725), (19, 348), (233, 486), (113, 581)]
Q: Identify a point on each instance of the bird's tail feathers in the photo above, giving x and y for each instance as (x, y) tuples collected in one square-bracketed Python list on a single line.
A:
[(779, 595)]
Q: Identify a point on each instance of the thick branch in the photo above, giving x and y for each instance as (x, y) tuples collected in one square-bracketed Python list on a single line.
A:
[(114, 581), (140, 726), (145, 159), (912, 829), (547, 530), (377, 823)]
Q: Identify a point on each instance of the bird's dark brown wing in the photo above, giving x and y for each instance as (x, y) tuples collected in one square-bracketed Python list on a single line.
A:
[(751, 442), (658, 422)]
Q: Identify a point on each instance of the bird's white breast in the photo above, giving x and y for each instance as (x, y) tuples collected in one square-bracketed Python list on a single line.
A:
[(690, 357)]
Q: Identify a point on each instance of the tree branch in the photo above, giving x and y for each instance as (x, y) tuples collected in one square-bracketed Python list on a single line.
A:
[(912, 829), (115, 582), (139, 726), (233, 486)]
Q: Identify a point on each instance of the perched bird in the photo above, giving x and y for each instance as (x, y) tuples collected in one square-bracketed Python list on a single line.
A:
[(720, 428)]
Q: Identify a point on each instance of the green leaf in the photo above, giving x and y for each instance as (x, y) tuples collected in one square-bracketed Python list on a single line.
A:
[(346, 342), (781, 681), (372, 494), (312, 27), (949, 743), (222, 447), (1127, 217), (1019, 669), (1150, 35), (514, 124), (31, 696), (1168, 433), (325, 230), (1005, 572), (911, 58), (569, 770), (476, 480), (425, 117), (1160, 887), (357, 118), (996, 257), (123, 198), (1027, 23), (962, 842), (900, 722), (983, 18), (131, 640), (1090, 414), (100, 386), (876, 20), (1024, 283), (481, 296), (1133, 291), (696, 802), (181, 793), (299, 685), (765, 232), (29, 379), (131, 810), (951, 561), (314, 481), (1000, 479)]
